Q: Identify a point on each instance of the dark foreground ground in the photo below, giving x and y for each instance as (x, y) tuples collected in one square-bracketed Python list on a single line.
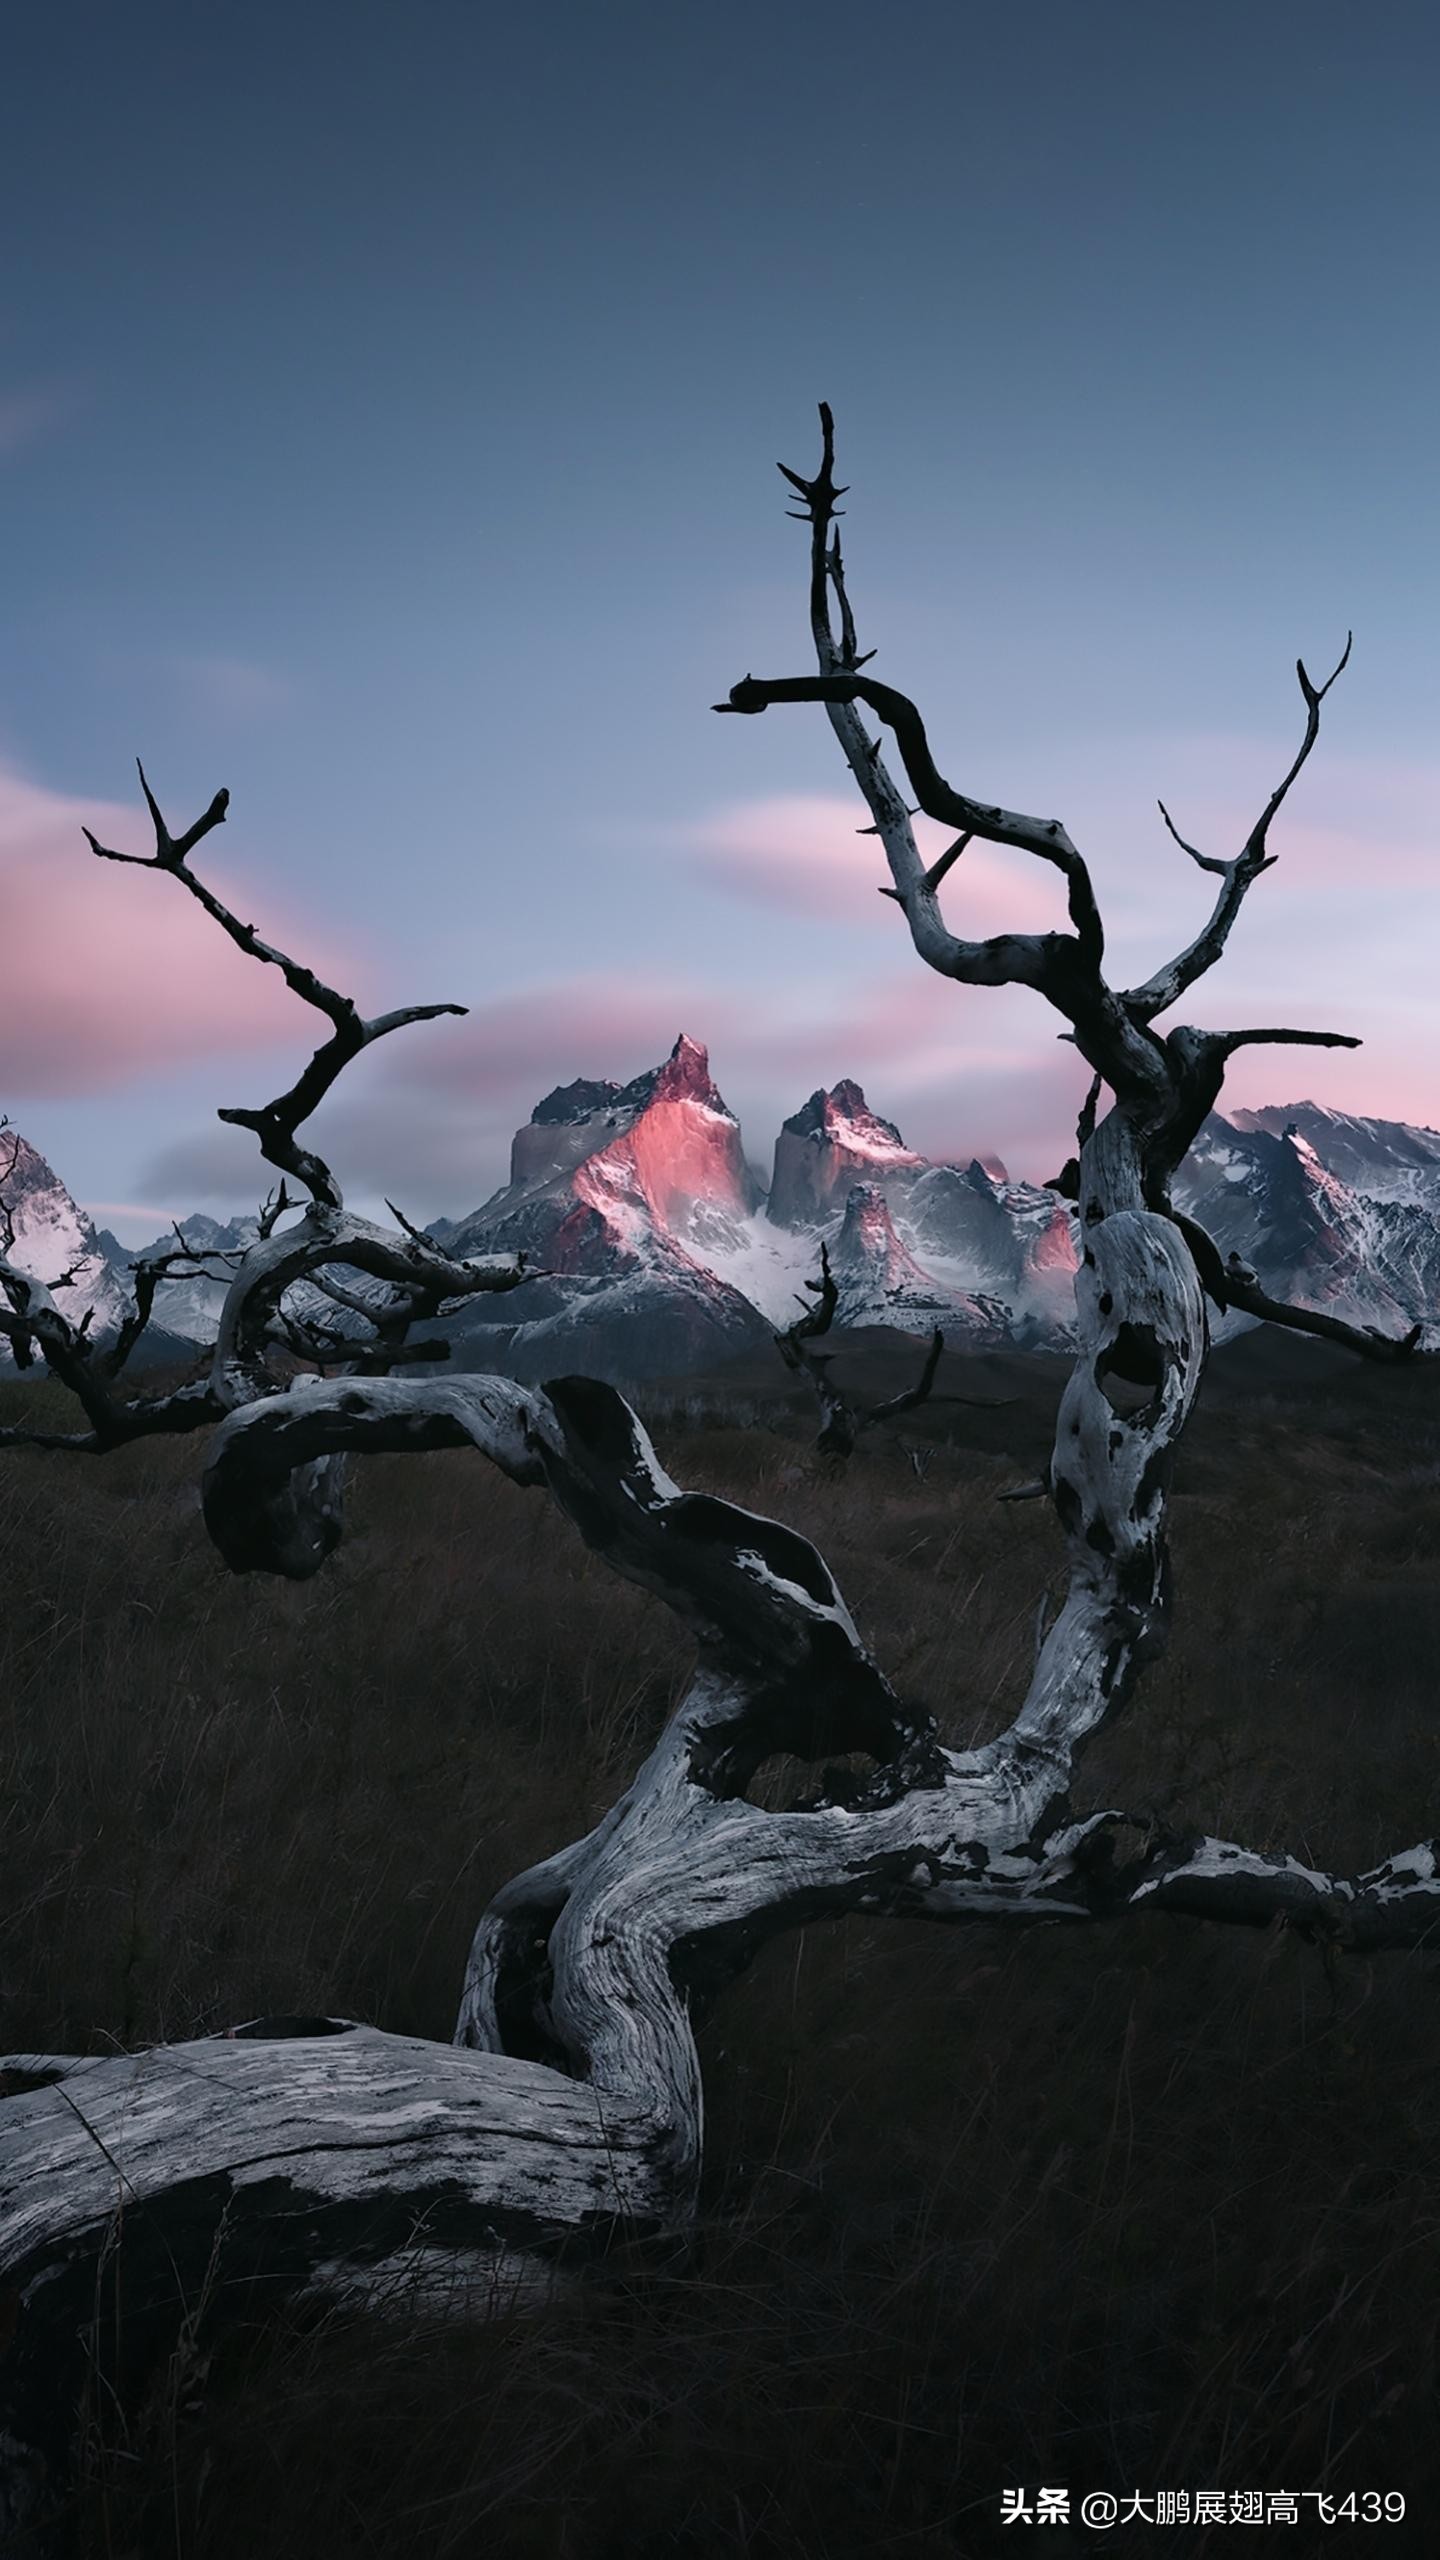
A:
[(1145, 2207)]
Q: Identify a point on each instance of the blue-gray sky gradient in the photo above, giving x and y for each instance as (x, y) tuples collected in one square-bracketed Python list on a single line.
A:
[(389, 404)]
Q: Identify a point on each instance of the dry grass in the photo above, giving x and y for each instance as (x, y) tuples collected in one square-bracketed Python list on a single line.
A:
[(1147, 2206)]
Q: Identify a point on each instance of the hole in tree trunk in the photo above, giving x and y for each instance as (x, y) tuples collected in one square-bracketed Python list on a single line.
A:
[(1130, 1371), (784, 1783)]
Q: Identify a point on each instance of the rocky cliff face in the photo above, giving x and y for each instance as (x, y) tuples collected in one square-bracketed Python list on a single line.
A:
[(834, 1141), (1365, 1248), (629, 1199), (881, 1282), (52, 1240), (656, 1251)]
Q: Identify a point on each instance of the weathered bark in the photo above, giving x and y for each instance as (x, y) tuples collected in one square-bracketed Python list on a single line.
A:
[(144, 2194)]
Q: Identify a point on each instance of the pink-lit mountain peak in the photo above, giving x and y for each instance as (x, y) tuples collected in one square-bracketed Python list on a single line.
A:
[(844, 1117), (831, 1142), (593, 1115), (685, 1077), (867, 1236), (685, 1074), (662, 1154), (680, 1153)]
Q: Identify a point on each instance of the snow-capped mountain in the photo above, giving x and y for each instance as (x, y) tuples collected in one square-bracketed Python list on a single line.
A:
[(833, 1141), (52, 1235), (1386, 1159), (633, 1200), (880, 1281), (1365, 1246), (190, 1303), (50, 1239), (657, 1249), (661, 1252)]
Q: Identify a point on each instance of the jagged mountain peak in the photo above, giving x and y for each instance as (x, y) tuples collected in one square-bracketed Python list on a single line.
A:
[(1389, 1159), (1332, 1212), (628, 1199), (53, 1241), (685, 1077), (874, 1269), (842, 1113), (824, 1147), (577, 1101)]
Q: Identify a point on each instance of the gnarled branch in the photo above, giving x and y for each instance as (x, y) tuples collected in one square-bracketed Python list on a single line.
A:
[(1161, 991), (275, 1123), (1243, 1290)]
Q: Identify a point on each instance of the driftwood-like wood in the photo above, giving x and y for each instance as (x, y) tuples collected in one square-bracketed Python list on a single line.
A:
[(140, 2195)]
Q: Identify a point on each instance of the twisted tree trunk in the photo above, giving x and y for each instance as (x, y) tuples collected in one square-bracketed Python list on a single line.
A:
[(317, 2157)]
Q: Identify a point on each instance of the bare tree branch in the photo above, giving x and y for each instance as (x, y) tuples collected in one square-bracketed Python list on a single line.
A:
[(918, 1394), (1063, 967), (1160, 991), (842, 1420), (275, 1123), (272, 1209), (1243, 1290), (939, 870), (938, 798)]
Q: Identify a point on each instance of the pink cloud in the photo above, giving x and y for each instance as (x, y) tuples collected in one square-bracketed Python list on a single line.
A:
[(581, 1026), (111, 974), (804, 854), (522, 1043)]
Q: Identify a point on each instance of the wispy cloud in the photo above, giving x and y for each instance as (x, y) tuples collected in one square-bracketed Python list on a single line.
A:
[(215, 686), (149, 1214), (805, 854)]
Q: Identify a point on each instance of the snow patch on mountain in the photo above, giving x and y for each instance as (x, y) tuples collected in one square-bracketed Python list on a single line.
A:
[(881, 1282), (832, 1141)]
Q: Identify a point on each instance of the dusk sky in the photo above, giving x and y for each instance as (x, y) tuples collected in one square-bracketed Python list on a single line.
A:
[(390, 398)]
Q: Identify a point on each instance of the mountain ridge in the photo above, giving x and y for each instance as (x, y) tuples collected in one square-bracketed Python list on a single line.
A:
[(658, 1249)]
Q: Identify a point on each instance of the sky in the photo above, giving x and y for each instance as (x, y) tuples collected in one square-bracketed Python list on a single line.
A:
[(390, 399)]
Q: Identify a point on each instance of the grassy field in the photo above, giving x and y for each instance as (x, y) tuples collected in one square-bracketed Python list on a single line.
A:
[(1149, 2205)]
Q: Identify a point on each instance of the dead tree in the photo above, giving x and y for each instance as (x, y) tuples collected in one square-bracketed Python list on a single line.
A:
[(842, 1419), (321, 2156)]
